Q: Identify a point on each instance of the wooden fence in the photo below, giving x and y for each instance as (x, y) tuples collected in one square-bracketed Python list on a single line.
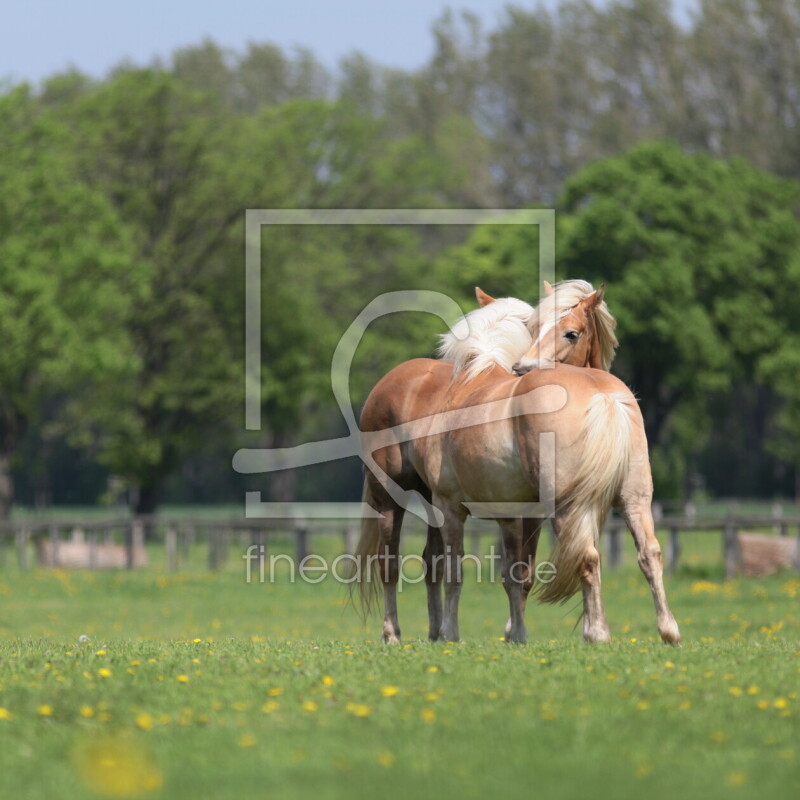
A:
[(96, 544)]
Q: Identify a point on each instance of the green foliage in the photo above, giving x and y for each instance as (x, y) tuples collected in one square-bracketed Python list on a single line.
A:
[(699, 257), (66, 281)]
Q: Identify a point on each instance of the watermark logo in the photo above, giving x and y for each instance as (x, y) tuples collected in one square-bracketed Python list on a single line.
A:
[(356, 443), (410, 569)]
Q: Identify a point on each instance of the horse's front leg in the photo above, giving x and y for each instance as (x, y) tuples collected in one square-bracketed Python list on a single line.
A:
[(514, 576), (522, 576), (433, 557), (452, 532)]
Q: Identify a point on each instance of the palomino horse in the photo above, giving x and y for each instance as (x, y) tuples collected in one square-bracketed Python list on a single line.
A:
[(600, 458)]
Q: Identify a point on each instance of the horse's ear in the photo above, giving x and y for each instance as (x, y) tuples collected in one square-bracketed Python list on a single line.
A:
[(482, 298), (596, 298), (548, 289)]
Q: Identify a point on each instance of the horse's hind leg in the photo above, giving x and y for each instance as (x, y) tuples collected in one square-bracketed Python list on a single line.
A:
[(390, 570), (595, 625), (634, 503), (526, 567), (640, 521), (433, 556)]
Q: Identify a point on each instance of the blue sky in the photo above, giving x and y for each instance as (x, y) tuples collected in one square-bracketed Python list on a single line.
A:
[(38, 38)]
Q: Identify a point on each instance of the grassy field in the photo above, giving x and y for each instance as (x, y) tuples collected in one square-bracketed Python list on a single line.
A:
[(201, 685)]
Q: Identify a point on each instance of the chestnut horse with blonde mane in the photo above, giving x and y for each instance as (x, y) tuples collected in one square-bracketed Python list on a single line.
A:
[(600, 458)]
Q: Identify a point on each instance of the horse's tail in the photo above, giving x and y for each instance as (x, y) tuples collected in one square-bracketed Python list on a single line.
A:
[(605, 446), (365, 576)]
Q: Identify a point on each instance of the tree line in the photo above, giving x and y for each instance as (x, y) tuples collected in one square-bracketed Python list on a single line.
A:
[(668, 151)]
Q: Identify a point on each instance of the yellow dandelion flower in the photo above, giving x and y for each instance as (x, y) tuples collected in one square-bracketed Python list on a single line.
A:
[(100, 653), (431, 697), (719, 737), (433, 669), (736, 778), (197, 641), (684, 706), (428, 715), (763, 704), (753, 690), (327, 680), (390, 691), (117, 767), (246, 740), (183, 679), (104, 672), (361, 710), (5, 714), (275, 691), (145, 721), (270, 706), (45, 711), (86, 711), (643, 705), (239, 706), (781, 703), (310, 705), (135, 662), (385, 758), (735, 691)]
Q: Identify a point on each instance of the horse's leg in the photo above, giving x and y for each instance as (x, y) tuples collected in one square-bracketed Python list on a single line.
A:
[(433, 556), (514, 575), (531, 528), (452, 533), (634, 504), (389, 560), (595, 626)]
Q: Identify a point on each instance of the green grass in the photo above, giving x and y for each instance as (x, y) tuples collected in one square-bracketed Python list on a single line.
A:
[(200, 685)]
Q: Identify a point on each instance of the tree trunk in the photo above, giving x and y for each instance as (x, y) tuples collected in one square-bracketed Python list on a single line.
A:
[(6, 485), (148, 499)]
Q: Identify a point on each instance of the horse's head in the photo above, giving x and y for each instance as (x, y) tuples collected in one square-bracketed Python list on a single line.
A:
[(571, 338)]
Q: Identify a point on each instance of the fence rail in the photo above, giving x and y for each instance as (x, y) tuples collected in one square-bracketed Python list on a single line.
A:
[(56, 541)]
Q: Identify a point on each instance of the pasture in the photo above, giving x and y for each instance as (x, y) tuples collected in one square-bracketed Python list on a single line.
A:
[(197, 684)]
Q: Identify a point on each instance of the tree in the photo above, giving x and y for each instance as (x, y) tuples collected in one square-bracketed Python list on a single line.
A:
[(65, 280), (158, 152), (698, 256)]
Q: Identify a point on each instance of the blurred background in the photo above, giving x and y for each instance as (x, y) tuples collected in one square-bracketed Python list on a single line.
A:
[(132, 141)]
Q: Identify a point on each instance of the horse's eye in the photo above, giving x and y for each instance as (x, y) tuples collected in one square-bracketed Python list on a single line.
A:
[(572, 336)]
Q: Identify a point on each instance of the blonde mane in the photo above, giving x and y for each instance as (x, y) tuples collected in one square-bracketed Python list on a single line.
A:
[(500, 333), (494, 335)]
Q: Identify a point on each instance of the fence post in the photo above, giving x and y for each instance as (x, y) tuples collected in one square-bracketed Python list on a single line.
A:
[(171, 546), (350, 539), (93, 548), (674, 550), (134, 536), (614, 550), (301, 541), (213, 548), (729, 549), (475, 540), (22, 535)]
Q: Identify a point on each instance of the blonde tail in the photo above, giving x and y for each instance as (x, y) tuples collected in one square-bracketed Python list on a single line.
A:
[(366, 573), (582, 508)]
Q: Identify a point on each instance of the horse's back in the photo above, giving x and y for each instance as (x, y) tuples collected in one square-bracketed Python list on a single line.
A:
[(405, 393)]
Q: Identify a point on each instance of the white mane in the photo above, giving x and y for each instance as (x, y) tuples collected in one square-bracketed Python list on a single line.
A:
[(500, 333), (496, 334)]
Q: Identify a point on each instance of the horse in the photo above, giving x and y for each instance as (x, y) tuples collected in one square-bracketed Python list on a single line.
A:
[(601, 459)]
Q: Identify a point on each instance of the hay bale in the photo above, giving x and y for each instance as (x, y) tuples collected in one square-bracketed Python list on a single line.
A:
[(761, 555), (79, 555)]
